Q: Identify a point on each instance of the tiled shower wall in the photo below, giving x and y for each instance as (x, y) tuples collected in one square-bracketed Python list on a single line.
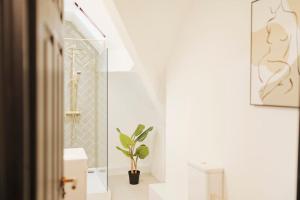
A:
[(90, 128)]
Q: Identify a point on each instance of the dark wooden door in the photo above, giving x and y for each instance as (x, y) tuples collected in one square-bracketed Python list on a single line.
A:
[(31, 99), (17, 131), (49, 98)]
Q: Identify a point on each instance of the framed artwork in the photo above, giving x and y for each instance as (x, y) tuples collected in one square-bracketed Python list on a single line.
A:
[(275, 56)]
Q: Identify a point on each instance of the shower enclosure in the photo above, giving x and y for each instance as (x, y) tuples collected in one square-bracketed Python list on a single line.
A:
[(85, 101)]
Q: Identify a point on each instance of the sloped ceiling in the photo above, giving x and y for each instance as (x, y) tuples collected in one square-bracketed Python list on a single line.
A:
[(153, 27)]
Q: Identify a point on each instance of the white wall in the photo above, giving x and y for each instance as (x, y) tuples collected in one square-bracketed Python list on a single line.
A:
[(129, 105), (208, 113)]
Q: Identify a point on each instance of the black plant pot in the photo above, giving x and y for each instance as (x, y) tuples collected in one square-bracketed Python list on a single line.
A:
[(134, 177)]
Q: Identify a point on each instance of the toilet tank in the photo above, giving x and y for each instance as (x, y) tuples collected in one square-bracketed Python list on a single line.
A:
[(205, 182)]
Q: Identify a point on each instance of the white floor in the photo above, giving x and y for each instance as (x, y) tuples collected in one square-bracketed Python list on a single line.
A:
[(122, 190)]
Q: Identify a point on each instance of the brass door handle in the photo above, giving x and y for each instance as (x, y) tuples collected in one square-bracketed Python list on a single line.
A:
[(65, 181)]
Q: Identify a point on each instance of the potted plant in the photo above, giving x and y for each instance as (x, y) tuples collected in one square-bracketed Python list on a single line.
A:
[(133, 151)]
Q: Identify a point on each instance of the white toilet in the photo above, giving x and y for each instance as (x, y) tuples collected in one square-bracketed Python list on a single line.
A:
[(205, 182)]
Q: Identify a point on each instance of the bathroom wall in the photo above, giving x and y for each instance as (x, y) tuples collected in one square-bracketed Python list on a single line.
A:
[(209, 118), (129, 105)]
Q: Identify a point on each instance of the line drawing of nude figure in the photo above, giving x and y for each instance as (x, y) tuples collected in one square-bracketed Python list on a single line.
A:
[(275, 67)]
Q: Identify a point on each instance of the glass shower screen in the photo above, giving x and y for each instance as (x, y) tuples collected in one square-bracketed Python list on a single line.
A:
[(85, 101)]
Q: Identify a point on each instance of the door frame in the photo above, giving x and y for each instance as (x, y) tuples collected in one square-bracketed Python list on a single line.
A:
[(17, 100)]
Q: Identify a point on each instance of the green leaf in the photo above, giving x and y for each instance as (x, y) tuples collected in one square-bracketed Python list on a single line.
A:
[(126, 153), (125, 140), (119, 131), (139, 130), (144, 135), (142, 151)]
